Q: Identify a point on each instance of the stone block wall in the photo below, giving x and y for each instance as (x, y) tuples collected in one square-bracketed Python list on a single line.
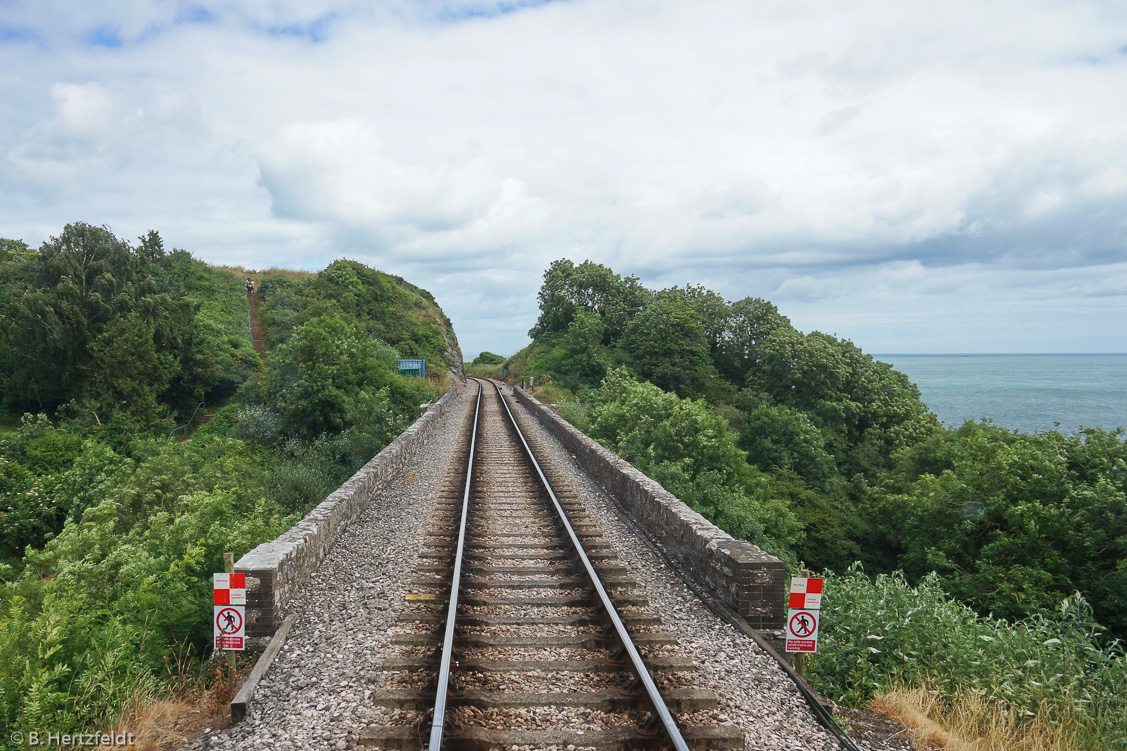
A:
[(749, 580), (277, 568)]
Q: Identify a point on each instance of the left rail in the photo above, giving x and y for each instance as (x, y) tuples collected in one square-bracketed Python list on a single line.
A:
[(438, 722)]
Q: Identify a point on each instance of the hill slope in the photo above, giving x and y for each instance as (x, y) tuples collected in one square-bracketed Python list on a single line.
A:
[(110, 523)]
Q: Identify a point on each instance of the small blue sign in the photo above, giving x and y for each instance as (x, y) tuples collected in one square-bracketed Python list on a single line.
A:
[(416, 368)]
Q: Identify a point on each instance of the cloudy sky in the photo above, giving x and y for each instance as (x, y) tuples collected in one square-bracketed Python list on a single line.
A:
[(917, 176)]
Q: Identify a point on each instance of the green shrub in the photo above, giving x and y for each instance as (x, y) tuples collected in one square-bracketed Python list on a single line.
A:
[(257, 423), (487, 358), (577, 413), (879, 634), (688, 448)]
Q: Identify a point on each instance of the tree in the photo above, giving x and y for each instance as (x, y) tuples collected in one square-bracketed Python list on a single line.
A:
[(487, 358), (782, 437), (1013, 523), (866, 408), (321, 375), (12, 246), (589, 286), (712, 310), (689, 449), (750, 322), (577, 357), (667, 343), (102, 324)]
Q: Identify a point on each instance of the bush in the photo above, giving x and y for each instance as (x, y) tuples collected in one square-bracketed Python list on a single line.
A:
[(576, 413), (487, 358), (309, 471), (689, 449), (880, 634), (257, 423)]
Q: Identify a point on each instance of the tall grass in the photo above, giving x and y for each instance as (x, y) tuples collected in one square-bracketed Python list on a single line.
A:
[(272, 272), (969, 723), (1055, 669), (440, 382), (481, 369)]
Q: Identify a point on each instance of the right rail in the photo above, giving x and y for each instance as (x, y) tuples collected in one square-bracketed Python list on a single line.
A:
[(637, 666)]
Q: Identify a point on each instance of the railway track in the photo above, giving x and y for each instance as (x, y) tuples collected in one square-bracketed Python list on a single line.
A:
[(545, 641)]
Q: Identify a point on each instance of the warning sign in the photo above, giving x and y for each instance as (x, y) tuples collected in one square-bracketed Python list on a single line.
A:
[(230, 628), (805, 593), (229, 597), (802, 630), (229, 589)]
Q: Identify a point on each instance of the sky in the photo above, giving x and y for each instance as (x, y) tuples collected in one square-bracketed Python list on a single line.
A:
[(913, 176)]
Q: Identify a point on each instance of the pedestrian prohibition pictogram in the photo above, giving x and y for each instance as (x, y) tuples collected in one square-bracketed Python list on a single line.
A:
[(802, 625), (802, 631), (229, 621)]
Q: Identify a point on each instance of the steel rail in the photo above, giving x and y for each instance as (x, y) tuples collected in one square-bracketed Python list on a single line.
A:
[(438, 721), (657, 704)]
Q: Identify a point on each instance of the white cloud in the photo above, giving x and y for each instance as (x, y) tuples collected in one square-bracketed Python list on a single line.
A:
[(774, 148), (336, 172)]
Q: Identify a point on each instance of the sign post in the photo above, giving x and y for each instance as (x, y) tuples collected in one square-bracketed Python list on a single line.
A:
[(229, 606), (804, 618)]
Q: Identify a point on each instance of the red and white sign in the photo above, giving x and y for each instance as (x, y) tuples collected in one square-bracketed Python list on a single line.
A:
[(802, 630), (230, 589), (230, 597), (805, 594)]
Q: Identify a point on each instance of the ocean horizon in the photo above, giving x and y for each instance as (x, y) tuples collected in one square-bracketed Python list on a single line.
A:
[(1027, 392)]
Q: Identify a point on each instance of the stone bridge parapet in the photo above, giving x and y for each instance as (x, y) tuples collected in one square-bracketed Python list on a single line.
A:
[(738, 573), (276, 569)]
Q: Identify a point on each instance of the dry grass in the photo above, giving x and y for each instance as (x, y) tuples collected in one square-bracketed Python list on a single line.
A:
[(440, 382), (967, 724), (167, 723), (293, 274), (265, 274)]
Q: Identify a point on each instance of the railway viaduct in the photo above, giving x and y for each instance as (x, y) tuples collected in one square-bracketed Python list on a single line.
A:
[(739, 574), (344, 583)]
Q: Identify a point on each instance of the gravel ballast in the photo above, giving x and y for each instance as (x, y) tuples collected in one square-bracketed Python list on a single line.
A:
[(755, 694), (315, 694)]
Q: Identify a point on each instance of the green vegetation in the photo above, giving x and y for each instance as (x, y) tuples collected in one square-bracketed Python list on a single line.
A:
[(486, 364), (808, 421), (1054, 665), (399, 314), (686, 447), (109, 531), (812, 449), (487, 358), (109, 331)]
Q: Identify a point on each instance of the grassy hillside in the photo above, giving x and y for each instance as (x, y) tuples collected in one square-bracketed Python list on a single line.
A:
[(114, 509), (398, 313)]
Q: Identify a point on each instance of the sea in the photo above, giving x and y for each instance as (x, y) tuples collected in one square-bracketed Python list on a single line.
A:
[(1027, 393)]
